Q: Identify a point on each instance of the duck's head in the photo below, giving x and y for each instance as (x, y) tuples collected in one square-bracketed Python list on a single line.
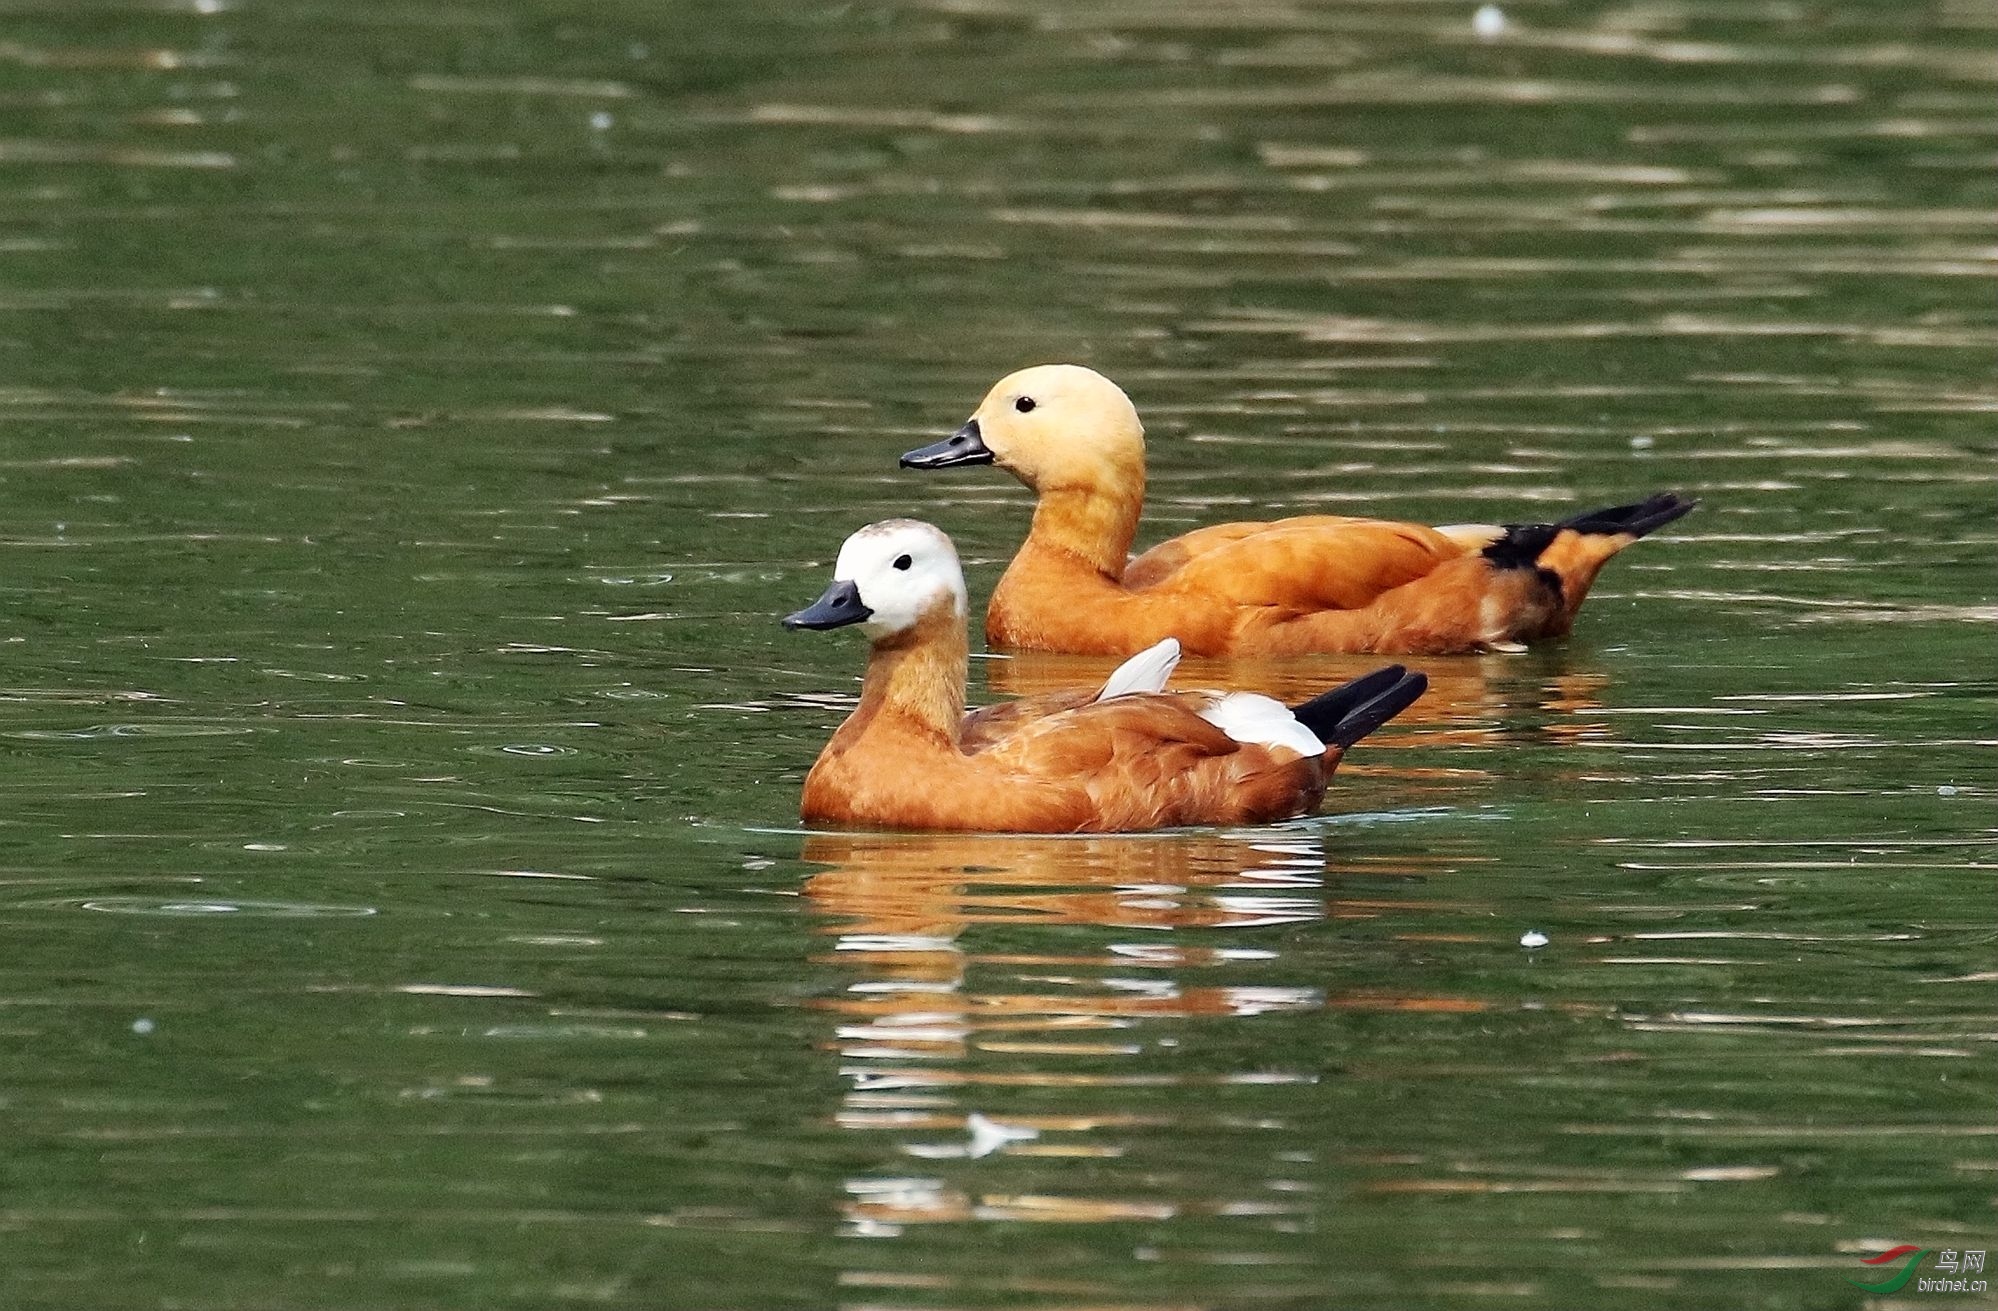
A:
[(1052, 426), (890, 576)]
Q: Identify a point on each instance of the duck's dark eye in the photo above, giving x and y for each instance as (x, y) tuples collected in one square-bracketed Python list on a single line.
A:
[(903, 562), (1024, 404)]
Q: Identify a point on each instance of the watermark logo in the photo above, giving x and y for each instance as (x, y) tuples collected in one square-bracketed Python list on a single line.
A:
[(1896, 1281), (1953, 1266)]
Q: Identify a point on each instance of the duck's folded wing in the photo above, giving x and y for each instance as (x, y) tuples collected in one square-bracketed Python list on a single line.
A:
[(1145, 672), (988, 726), (1316, 562), (1157, 564), (1149, 760), (1138, 730)]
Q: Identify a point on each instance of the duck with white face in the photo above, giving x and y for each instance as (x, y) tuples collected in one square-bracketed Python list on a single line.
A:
[(1314, 583), (1123, 757), (911, 570)]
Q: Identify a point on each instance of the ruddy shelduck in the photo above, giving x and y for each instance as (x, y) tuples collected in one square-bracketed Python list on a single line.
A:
[(1124, 757), (1317, 583)]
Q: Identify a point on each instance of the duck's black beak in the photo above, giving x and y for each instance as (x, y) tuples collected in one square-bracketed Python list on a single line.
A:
[(839, 606), (965, 446)]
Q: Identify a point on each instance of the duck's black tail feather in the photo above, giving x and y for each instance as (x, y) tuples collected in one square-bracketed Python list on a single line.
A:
[(1349, 712), (1637, 518), (1522, 544)]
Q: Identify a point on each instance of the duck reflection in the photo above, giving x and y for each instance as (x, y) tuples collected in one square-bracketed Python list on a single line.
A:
[(1471, 701), (949, 1008), (1012, 997)]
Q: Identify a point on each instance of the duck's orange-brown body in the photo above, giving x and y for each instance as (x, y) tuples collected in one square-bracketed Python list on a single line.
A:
[(1319, 583), (1313, 584), (909, 757)]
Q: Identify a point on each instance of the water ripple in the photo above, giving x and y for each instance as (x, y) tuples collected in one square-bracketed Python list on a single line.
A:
[(185, 908)]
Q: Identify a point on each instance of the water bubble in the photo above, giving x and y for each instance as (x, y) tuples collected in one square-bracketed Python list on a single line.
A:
[(1532, 938), (1488, 22), (143, 1026)]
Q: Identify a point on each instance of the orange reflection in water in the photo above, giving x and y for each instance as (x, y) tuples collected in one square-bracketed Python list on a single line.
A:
[(938, 1031), (904, 900), (958, 1022)]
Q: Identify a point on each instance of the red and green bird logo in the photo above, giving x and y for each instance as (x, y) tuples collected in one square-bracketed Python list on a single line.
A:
[(1894, 1282)]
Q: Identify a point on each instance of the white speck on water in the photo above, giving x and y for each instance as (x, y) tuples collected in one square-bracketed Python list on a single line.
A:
[(1643, 442), (1488, 22), (1533, 938), (1946, 791), (601, 121), (988, 1136), (142, 1026)]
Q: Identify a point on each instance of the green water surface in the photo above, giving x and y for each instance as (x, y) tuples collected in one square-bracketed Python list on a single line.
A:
[(414, 416)]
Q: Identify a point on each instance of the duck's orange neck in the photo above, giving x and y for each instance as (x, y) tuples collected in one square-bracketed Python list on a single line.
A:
[(1093, 523), (915, 680)]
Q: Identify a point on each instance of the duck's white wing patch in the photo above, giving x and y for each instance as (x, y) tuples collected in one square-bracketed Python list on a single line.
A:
[(1146, 671), (1248, 717), (1473, 536)]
